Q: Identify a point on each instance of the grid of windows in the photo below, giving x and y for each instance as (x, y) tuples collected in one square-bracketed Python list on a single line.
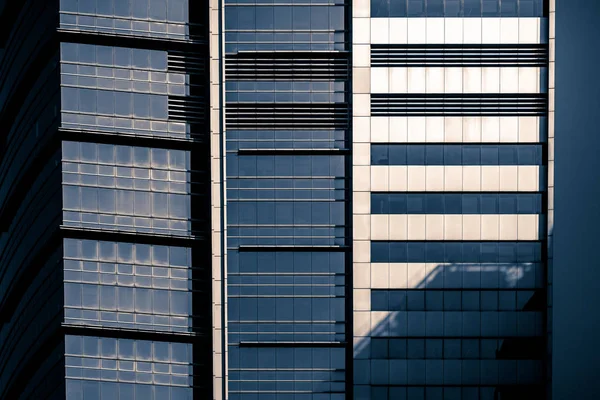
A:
[(314, 25), (286, 297), (135, 210), (107, 368), (127, 285), (456, 203), (456, 154), (449, 173), (118, 89), (457, 8), (286, 196), (167, 19), (131, 188), (285, 200)]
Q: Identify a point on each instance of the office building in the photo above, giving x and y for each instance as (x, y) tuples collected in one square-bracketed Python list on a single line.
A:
[(276, 200)]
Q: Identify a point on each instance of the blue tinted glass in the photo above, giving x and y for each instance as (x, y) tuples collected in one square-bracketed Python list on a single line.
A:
[(435, 203), (398, 203), (471, 155), (379, 155), (380, 252), (435, 8), (490, 8), (453, 252), (379, 203), (415, 155), (489, 204), (508, 155), (435, 155), (435, 252), (416, 8), (398, 8), (380, 8), (489, 155), (508, 203), (531, 8), (453, 8), (509, 8), (453, 204), (415, 204), (301, 18), (398, 155), (452, 155), (528, 155), (379, 348), (379, 300), (470, 204), (472, 8)]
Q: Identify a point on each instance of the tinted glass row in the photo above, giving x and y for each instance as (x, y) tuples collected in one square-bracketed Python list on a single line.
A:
[(127, 299), (459, 252), (115, 103), (123, 80), (449, 300), (396, 348), (285, 86), (472, 390), (284, 309), (286, 213), (511, 376), (127, 253), (285, 18), (285, 166), (456, 154), (127, 275), (105, 390), (457, 8), (466, 203), (252, 263), (325, 189), (314, 235), (161, 10), (315, 373), (127, 349), (285, 139), (126, 156), (111, 56), (290, 285), (126, 202), (286, 41)]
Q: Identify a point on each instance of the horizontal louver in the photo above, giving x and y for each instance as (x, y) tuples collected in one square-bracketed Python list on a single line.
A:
[(286, 66), (186, 109), (287, 115), (185, 63), (458, 104), (422, 55)]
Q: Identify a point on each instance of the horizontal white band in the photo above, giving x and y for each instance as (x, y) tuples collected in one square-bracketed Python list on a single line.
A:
[(456, 80), (446, 129), (433, 178)]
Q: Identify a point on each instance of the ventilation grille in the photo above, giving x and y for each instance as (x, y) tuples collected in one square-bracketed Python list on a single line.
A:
[(287, 66), (186, 109), (458, 104), (384, 55), (185, 63), (286, 116)]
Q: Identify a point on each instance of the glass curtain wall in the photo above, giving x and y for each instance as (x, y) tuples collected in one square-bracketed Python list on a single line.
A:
[(287, 77)]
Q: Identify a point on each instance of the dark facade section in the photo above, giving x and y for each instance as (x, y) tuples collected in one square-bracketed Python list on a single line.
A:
[(288, 135), (105, 291)]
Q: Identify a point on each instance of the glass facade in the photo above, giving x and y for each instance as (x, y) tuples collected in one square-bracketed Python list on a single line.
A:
[(287, 198), (105, 284), (450, 199), (274, 199)]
